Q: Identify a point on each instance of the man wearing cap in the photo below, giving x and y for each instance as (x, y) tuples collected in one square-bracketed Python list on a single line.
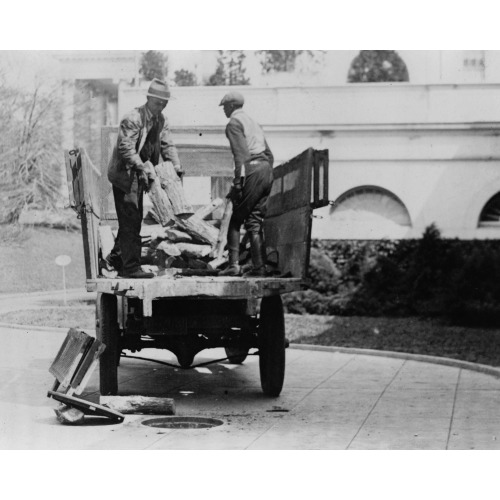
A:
[(253, 178), (144, 136)]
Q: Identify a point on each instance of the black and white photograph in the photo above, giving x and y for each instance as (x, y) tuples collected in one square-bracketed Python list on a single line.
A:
[(214, 250)]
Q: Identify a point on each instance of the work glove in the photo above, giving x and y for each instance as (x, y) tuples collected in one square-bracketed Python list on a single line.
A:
[(180, 171), (146, 174), (235, 194)]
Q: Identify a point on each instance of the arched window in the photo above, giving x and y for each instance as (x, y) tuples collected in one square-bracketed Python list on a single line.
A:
[(490, 214), (369, 212)]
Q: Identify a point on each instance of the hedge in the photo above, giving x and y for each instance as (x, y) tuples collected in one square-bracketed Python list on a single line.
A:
[(427, 277)]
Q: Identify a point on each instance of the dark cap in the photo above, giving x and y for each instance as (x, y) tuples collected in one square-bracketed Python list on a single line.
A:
[(159, 89), (233, 98)]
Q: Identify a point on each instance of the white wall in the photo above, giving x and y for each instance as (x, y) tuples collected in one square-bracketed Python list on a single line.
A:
[(436, 147)]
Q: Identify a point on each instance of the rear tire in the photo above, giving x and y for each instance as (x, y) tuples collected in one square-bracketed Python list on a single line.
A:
[(108, 333), (272, 345), (236, 355)]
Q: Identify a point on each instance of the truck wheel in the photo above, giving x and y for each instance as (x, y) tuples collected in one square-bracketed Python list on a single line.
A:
[(108, 334), (272, 345), (236, 355)]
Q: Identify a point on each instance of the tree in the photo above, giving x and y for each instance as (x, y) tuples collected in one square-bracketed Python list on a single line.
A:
[(280, 60), (153, 65), (30, 149), (378, 66), (230, 69), (185, 78)]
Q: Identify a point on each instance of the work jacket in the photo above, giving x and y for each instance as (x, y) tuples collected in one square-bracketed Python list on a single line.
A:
[(132, 134), (247, 142)]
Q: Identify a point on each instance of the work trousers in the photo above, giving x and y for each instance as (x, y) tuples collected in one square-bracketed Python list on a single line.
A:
[(251, 210), (129, 213)]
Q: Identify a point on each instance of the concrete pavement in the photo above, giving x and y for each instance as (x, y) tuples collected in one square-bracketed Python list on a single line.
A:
[(331, 400)]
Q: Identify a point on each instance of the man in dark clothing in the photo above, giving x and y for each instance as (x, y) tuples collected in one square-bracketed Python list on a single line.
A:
[(253, 178), (144, 135)]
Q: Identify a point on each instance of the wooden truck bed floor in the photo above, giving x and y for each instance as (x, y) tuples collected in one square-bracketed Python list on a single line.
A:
[(189, 286)]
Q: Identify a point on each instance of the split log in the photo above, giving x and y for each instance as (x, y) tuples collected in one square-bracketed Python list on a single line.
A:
[(106, 240), (206, 210), (68, 415), (194, 263), (146, 405), (177, 236), (170, 249), (193, 250), (222, 236), (161, 203), (172, 185), (199, 229)]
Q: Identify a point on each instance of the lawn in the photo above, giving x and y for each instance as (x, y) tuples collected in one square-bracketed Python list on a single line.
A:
[(27, 258)]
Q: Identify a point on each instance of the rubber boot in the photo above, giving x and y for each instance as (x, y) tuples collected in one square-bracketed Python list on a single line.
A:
[(233, 243), (257, 250)]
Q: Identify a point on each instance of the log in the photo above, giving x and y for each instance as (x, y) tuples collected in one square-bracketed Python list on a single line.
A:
[(199, 229), (106, 240), (170, 249), (161, 203), (68, 415), (177, 236), (218, 262), (222, 236), (146, 405), (193, 250), (172, 185), (206, 210)]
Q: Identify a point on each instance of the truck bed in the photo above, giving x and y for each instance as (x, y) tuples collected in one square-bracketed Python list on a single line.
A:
[(193, 286)]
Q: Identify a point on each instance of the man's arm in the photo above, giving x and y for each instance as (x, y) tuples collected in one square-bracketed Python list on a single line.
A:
[(239, 148), (167, 146), (128, 136)]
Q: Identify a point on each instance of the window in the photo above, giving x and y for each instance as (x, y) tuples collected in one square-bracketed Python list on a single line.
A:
[(490, 214)]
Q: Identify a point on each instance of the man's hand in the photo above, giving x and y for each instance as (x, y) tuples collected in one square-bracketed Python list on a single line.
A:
[(146, 174), (180, 171), (235, 194)]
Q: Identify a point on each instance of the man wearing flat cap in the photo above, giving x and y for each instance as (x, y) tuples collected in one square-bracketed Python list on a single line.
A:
[(253, 178), (144, 136)]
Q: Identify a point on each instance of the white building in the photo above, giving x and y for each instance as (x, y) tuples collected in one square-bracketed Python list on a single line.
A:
[(402, 155)]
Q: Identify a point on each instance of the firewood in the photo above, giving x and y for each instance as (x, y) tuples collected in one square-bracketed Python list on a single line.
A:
[(193, 250), (129, 405), (199, 229), (206, 210), (69, 415), (194, 263), (106, 240), (172, 185), (177, 236), (161, 203), (222, 236), (170, 249), (218, 262)]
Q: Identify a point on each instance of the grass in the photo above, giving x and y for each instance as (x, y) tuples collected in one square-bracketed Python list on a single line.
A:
[(27, 259), (27, 265)]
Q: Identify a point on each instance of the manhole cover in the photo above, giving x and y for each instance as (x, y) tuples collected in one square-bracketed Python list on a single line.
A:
[(183, 422)]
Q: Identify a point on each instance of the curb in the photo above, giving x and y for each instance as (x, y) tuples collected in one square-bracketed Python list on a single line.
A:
[(43, 293), (55, 329), (423, 358)]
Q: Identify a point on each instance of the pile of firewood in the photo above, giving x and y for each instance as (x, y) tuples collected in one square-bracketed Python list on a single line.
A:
[(180, 241)]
